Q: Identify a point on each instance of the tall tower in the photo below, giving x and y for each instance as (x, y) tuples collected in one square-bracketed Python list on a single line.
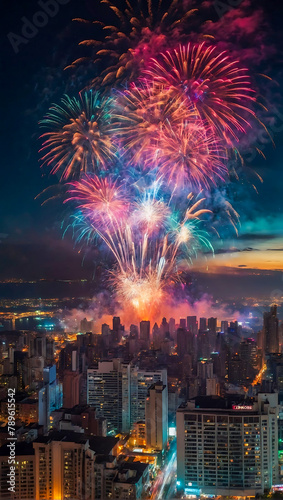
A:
[(156, 416), (270, 331), (192, 324), (145, 334)]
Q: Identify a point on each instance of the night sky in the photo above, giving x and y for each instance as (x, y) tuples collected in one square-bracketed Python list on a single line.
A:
[(31, 244)]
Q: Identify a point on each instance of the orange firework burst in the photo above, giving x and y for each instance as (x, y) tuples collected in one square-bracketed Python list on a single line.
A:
[(79, 140), (212, 82)]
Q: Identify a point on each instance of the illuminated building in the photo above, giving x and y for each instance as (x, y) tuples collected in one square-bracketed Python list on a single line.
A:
[(24, 472), (130, 481), (118, 391), (228, 450), (140, 382), (59, 466), (138, 433), (34, 371), (28, 411), (205, 369), (108, 392), (156, 416), (270, 331), (50, 396)]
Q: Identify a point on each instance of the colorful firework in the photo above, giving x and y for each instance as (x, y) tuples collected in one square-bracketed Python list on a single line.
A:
[(141, 31), (167, 134), (102, 200), (145, 264), (79, 140), (188, 154), (212, 82), (141, 113)]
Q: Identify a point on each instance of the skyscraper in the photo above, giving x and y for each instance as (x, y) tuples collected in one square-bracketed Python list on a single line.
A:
[(270, 331), (212, 324), (145, 334), (140, 382), (50, 396), (183, 323), (202, 324), (224, 326), (156, 416), (192, 324), (118, 391), (104, 392)]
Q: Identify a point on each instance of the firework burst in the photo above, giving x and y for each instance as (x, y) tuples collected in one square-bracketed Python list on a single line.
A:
[(189, 154), (141, 113), (139, 31), (103, 201), (79, 140), (145, 264), (212, 82)]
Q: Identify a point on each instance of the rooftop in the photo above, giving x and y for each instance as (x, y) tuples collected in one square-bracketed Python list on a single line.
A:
[(22, 449)]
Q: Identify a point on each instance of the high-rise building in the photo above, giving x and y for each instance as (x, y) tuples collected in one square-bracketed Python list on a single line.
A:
[(140, 382), (24, 472), (228, 451), (104, 392), (183, 323), (271, 331), (202, 324), (164, 328), (40, 346), (86, 326), (212, 324), (71, 388), (50, 396), (204, 344), (192, 324), (145, 334), (156, 416), (248, 352), (224, 326), (59, 466), (184, 342), (118, 391), (205, 369), (172, 326)]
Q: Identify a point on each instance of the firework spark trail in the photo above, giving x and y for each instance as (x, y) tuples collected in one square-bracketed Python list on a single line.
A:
[(145, 264), (79, 140)]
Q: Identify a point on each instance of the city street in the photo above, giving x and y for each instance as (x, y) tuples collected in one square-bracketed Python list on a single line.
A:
[(165, 482)]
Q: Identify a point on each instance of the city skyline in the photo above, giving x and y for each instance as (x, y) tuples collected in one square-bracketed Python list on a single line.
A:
[(141, 244)]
